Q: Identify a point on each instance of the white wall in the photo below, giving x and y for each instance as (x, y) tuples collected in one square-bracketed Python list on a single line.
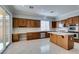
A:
[(68, 15)]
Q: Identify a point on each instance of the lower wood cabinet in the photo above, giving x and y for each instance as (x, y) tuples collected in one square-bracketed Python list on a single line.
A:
[(36, 35), (66, 42), (53, 38), (15, 37), (33, 35), (47, 35)]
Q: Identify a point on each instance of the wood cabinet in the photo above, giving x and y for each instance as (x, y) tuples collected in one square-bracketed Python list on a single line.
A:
[(33, 35), (68, 22), (54, 24), (20, 22), (15, 22), (34, 23), (47, 35), (36, 35), (53, 38), (66, 41), (15, 37), (75, 20), (71, 21)]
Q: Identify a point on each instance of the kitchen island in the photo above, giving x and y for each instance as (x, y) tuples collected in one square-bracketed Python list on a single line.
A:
[(64, 40)]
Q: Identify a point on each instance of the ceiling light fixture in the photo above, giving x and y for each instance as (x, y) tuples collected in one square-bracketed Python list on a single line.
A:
[(31, 7), (51, 11)]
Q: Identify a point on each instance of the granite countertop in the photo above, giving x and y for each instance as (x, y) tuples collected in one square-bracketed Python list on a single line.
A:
[(62, 33), (15, 32)]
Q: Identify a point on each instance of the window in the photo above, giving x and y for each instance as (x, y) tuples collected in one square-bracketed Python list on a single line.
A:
[(44, 25)]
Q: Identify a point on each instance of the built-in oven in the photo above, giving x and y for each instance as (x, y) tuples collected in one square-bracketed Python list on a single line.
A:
[(73, 28), (76, 35)]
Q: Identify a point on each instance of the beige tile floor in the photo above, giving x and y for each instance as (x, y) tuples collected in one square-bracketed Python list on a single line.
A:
[(39, 46)]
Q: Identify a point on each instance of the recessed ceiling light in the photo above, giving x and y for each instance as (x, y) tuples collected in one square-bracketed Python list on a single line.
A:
[(31, 7), (51, 11)]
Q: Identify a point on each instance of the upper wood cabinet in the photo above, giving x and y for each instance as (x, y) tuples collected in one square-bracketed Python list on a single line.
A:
[(15, 22), (75, 20), (34, 23), (20, 22), (54, 24), (71, 21)]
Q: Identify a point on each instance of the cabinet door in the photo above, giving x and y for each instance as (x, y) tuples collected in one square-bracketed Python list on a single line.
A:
[(18, 22), (35, 23), (70, 42), (22, 23), (54, 24), (33, 35), (65, 22), (70, 21), (53, 38), (28, 23), (15, 22), (36, 35), (75, 20), (15, 37), (59, 40), (47, 35)]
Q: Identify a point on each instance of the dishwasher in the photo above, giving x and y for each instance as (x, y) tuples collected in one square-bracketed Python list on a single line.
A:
[(43, 35)]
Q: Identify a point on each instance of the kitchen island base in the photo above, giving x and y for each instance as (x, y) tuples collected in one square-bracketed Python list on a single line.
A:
[(64, 41)]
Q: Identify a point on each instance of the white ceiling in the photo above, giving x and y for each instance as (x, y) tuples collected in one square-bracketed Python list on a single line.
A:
[(44, 10)]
